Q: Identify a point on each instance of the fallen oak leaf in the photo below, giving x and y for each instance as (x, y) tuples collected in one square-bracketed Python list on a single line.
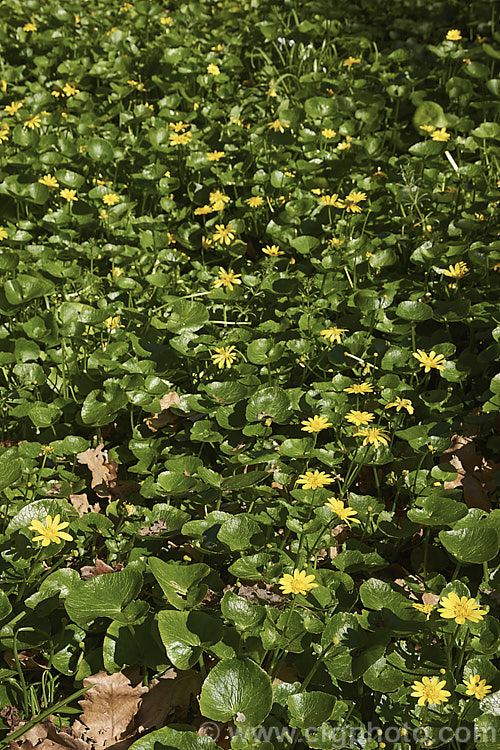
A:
[(165, 416), (103, 473), (109, 707), (172, 693), (100, 568)]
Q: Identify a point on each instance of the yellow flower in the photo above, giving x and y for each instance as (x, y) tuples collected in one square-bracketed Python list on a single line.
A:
[(218, 200), (69, 195), (3, 85), (311, 480), (111, 199), (299, 583), (213, 70), (359, 417), (343, 511), (350, 62), (425, 608), (441, 135), (272, 250), (178, 126), (315, 424), (113, 322), (359, 388), (356, 197), (454, 35), (430, 691), (70, 89), (331, 200), (401, 403), (458, 271), (428, 128), (4, 129), (103, 214), (13, 107), (460, 609), (334, 333), (202, 210), (277, 126), (344, 146), (430, 361), (165, 20), (373, 436), (51, 532), (180, 139), (352, 208), (33, 122), (477, 687), (227, 279), (215, 155), (224, 356), (49, 180), (30, 27), (3, 234), (328, 133), (255, 201), (117, 271), (224, 234)]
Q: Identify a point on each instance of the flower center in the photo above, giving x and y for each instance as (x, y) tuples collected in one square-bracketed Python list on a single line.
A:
[(462, 610)]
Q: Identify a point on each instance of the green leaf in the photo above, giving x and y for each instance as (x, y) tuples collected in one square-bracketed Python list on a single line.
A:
[(438, 511), (378, 595), (269, 402), (181, 584), (168, 739), (429, 113), (242, 613), (318, 107), (476, 544), (304, 244), (237, 690), (43, 415), (5, 605), (487, 130), (10, 470), (101, 406), (414, 310), (176, 482), (106, 595), (185, 634), (383, 677), (24, 288), (239, 532), (99, 150), (240, 481), (187, 316), (310, 709)]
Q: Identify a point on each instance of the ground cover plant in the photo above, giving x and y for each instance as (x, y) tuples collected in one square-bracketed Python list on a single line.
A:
[(249, 384)]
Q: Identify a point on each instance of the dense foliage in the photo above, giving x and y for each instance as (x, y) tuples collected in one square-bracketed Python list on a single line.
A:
[(249, 369)]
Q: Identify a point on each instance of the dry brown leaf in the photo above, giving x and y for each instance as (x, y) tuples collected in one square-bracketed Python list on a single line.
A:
[(97, 460), (428, 598), (100, 567), (26, 658), (80, 503), (172, 693), (165, 416), (156, 528), (474, 475), (109, 707)]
